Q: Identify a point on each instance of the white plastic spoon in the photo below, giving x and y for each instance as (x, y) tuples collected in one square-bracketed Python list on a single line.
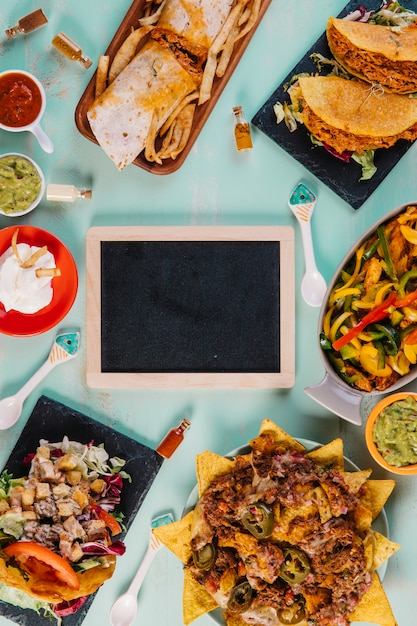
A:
[(125, 608), (65, 347), (313, 286)]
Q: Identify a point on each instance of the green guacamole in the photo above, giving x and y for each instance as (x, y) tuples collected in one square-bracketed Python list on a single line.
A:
[(395, 433), (20, 184)]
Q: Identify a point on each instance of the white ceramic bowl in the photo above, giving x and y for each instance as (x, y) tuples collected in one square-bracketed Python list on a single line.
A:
[(41, 192), (332, 392)]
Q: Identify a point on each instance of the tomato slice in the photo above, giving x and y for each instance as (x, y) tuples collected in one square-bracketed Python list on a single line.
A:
[(42, 563), (110, 521)]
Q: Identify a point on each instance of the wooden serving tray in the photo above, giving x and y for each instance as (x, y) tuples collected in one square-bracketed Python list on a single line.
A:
[(202, 112)]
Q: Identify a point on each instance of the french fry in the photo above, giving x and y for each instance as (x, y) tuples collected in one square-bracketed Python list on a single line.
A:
[(151, 17), (178, 133), (127, 51), (102, 73), (43, 272), (30, 262)]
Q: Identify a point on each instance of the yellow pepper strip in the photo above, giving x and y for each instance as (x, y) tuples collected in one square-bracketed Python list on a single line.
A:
[(410, 351), (409, 233), (399, 363), (364, 336), (379, 297), (410, 313), (381, 293), (346, 291), (337, 324), (369, 361), (359, 254), (410, 214), (326, 321)]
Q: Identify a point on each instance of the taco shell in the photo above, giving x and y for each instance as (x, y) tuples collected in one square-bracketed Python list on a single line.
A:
[(375, 53)]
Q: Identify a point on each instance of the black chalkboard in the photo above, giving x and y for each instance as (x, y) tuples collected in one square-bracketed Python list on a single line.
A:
[(173, 306)]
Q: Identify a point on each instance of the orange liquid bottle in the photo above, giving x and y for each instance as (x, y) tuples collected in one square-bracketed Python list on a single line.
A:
[(70, 49), (173, 439), (27, 24)]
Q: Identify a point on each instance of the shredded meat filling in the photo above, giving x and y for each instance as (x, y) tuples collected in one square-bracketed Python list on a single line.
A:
[(397, 76)]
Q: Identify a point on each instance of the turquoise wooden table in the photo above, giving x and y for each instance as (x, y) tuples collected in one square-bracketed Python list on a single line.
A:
[(215, 186)]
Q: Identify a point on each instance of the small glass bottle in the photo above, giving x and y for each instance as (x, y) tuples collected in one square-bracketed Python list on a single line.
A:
[(173, 439), (70, 49), (27, 24), (242, 130), (67, 193)]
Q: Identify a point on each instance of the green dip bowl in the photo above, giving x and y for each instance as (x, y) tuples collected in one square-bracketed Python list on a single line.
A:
[(22, 184)]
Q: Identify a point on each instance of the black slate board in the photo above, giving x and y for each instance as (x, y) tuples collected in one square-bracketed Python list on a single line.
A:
[(52, 420), (341, 177)]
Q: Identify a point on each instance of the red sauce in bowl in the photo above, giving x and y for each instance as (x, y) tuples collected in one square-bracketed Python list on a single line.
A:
[(20, 100)]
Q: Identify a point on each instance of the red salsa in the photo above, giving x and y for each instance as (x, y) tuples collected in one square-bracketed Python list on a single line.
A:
[(20, 100)]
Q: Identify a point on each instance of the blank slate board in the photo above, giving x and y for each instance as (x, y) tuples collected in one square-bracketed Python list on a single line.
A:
[(185, 306)]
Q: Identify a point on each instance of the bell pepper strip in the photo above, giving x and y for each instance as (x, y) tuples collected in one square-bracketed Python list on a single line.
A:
[(370, 359), (407, 300), (337, 324), (411, 338), (356, 271), (377, 314), (387, 254), (409, 233), (42, 563), (110, 521)]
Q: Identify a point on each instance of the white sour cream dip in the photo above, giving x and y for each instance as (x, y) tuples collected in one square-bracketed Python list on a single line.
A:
[(20, 289)]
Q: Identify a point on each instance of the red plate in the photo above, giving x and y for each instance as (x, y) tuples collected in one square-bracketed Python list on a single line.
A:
[(64, 286)]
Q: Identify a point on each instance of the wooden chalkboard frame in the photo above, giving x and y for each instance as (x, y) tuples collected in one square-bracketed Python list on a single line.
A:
[(284, 378)]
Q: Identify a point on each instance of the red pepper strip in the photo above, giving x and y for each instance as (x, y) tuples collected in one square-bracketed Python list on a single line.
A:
[(408, 299), (411, 339), (378, 313)]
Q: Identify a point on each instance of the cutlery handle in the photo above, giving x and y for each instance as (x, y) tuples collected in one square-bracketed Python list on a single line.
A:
[(306, 236), (139, 577), (64, 347)]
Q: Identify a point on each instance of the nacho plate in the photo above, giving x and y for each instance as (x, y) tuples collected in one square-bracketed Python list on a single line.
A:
[(310, 525), (380, 524)]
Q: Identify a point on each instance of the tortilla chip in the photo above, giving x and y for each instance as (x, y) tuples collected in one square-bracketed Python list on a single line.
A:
[(384, 549), (196, 600), (363, 518), (355, 480), (376, 494), (281, 438), (330, 454), (374, 606), (209, 466), (176, 537)]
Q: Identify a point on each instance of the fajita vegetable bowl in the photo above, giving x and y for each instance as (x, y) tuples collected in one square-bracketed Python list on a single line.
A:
[(367, 330)]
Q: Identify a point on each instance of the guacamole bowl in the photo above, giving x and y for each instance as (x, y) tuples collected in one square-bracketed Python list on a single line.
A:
[(22, 184), (391, 433)]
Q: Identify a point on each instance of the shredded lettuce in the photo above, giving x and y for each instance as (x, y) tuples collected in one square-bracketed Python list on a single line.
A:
[(366, 160), (19, 598), (7, 482)]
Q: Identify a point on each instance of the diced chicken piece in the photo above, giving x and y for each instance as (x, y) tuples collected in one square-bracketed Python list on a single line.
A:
[(373, 273), (61, 491), (47, 471), (96, 529), (74, 528), (71, 550)]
